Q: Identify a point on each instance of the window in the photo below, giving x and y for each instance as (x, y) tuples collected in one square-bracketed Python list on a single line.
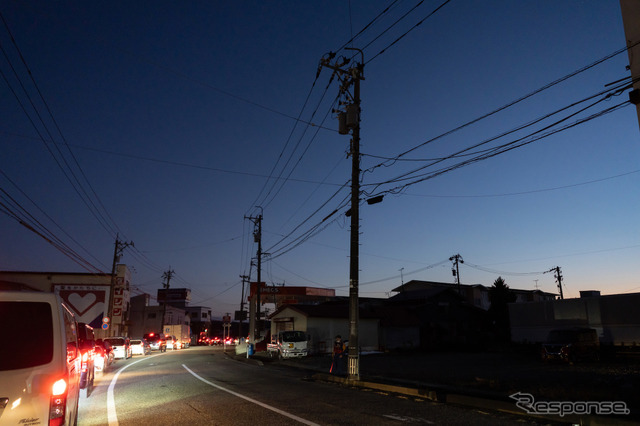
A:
[(32, 344), (204, 315), (151, 315)]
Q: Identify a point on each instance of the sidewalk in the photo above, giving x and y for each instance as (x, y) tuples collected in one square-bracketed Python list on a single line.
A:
[(487, 379)]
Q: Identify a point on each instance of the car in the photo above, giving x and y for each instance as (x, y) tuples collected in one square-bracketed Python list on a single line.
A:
[(121, 346), (40, 367), (104, 356), (216, 341), (571, 345), (157, 341), (186, 342), (140, 347), (173, 343), (87, 345)]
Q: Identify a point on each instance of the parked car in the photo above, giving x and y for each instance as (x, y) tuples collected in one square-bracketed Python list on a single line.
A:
[(140, 347), (104, 355), (40, 361), (157, 341), (121, 346), (570, 345), (87, 345)]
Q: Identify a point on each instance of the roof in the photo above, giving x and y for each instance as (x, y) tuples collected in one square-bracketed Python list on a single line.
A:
[(324, 310), (414, 285)]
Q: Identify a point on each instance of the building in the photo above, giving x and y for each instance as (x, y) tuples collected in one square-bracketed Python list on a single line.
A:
[(475, 294), (433, 317), (200, 318), (323, 322), (149, 319), (87, 294)]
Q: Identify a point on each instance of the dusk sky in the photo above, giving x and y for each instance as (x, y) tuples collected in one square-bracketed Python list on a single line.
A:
[(168, 123)]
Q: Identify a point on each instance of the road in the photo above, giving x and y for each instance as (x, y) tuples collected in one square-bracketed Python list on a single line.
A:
[(202, 386)]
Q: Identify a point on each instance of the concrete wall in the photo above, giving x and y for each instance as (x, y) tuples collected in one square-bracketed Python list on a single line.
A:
[(615, 317)]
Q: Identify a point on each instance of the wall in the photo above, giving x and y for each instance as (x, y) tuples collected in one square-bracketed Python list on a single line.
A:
[(615, 317)]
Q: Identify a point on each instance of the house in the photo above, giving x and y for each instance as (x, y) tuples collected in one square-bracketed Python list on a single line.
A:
[(475, 294), (324, 321), (435, 317)]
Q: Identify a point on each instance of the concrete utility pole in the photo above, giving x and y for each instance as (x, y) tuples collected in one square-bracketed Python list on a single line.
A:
[(558, 277), (457, 259), (631, 18), (117, 253), (350, 120), (245, 279), (167, 276), (254, 320)]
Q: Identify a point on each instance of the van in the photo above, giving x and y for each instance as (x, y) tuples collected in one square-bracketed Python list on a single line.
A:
[(40, 369), (121, 346)]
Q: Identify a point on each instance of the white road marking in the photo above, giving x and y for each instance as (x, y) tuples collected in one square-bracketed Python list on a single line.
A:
[(246, 398), (112, 418)]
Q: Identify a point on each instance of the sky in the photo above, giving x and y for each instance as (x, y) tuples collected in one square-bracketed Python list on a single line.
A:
[(497, 130)]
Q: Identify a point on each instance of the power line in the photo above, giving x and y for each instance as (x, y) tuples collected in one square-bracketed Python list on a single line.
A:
[(48, 217), (515, 101), (183, 164), (533, 191), (411, 29), (495, 271), (517, 143)]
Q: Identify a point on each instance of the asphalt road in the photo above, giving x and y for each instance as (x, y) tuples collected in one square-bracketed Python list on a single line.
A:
[(201, 386)]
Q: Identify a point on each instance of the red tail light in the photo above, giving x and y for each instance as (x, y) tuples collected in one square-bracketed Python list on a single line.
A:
[(58, 404)]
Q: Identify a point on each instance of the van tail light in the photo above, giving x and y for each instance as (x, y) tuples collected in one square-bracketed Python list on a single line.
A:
[(85, 358), (58, 404)]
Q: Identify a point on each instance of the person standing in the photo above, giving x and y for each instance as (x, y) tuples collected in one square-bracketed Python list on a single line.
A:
[(337, 355)]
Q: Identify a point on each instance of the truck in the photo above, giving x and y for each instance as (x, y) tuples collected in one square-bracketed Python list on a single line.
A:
[(288, 344), (181, 332)]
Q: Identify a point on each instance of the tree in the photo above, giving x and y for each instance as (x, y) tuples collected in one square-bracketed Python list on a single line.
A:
[(500, 295)]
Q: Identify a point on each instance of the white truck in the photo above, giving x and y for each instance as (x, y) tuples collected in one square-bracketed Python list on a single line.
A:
[(288, 344), (181, 332)]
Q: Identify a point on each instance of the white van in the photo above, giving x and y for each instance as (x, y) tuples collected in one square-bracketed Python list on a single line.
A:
[(40, 368)]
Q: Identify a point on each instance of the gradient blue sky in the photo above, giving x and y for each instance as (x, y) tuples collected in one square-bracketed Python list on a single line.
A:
[(177, 113)]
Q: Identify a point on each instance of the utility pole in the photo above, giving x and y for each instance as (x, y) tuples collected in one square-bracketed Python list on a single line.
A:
[(254, 320), (117, 253), (630, 17), (167, 276), (558, 277), (456, 272), (245, 279), (350, 120)]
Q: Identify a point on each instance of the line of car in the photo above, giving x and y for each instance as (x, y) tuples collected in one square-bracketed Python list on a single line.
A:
[(212, 341), (52, 360)]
